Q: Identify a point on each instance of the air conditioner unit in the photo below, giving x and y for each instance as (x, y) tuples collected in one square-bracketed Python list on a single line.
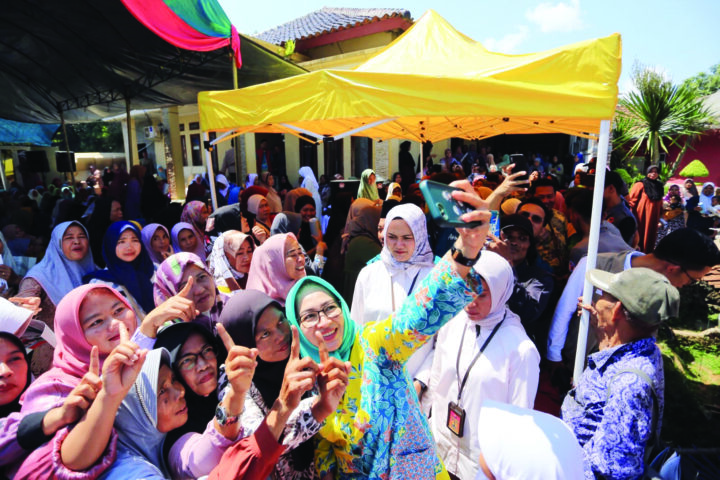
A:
[(151, 132)]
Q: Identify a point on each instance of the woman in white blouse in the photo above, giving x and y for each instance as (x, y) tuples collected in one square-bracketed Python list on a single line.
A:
[(481, 354), (383, 285)]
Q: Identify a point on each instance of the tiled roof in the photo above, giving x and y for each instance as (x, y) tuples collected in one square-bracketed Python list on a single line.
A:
[(327, 20)]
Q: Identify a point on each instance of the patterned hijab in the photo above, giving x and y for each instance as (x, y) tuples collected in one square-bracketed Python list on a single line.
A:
[(55, 273), (350, 330), (180, 226), (147, 233), (267, 269), (169, 277), (415, 218), (225, 274), (192, 214), (366, 190)]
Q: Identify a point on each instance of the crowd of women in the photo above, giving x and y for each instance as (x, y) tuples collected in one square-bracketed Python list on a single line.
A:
[(288, 334)]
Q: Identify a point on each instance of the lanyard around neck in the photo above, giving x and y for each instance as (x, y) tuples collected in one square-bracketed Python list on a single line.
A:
[(461, 386)]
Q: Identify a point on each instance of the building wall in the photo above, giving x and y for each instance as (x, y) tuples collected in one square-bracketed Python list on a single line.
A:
[(706, 149)]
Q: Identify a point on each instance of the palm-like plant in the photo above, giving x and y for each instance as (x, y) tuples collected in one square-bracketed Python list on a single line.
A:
[(659, 114)]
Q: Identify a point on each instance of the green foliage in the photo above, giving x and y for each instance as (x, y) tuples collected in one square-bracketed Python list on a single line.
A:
[(705, 83), (656, 115), (631, 174), (289, 48), (696, 168), (91, 137)]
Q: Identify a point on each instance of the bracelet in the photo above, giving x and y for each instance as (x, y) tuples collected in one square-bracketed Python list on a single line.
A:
[(462, 259)]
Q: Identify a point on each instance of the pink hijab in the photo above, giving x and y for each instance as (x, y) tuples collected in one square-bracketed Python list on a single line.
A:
[(267, 268), (72, 352)]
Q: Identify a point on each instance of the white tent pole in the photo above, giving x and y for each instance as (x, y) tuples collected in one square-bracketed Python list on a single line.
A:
[(592, 245), (222, 137), (364, 127), (211, 172), (302, 130)]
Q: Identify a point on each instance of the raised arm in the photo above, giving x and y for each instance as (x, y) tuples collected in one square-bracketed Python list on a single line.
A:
[(441, 295)]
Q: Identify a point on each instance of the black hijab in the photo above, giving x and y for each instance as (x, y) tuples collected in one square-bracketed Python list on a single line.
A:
[(654, 189), (200, 409), (240, 317), (14, 406), (305, 237)]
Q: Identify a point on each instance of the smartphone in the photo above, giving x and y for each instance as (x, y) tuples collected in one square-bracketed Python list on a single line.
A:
[(314, 227), (521, 164), (445, 210), (495, 223)]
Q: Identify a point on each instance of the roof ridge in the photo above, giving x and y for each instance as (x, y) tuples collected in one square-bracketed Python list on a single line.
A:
[(326, 19)]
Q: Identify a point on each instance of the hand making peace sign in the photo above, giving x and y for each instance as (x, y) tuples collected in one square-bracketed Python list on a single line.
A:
[(122, 366)]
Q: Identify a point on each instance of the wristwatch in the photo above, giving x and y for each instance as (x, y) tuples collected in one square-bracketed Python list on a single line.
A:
[(462, 259), (223, 418)]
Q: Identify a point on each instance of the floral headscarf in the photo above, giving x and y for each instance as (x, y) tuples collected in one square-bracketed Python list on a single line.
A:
[(169, 277), (192, 214), (415, 218)]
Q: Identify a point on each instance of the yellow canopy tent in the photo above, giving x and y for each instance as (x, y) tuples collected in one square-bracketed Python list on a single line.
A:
[(433, 83)]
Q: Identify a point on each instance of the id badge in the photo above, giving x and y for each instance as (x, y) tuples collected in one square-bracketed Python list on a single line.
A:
[(456, 419)]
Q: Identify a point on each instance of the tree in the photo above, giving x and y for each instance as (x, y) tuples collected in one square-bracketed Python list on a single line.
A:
[(656, 115), (705, 83), (91, 137)]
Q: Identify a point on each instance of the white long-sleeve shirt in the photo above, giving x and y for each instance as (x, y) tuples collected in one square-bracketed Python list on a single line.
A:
[(373, 301), (508, 371)]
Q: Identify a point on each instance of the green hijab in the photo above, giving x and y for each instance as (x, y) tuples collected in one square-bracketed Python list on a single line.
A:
[(367, 190), (350, 330)]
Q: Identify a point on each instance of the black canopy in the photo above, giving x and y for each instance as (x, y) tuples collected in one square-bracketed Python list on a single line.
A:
[(86, 56)]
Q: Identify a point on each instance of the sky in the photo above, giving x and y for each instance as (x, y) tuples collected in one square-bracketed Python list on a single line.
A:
[(678, 38)]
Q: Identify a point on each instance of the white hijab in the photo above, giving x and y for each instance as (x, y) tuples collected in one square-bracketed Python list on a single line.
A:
[(390, 190), (415, 218), (518, 443), (310, 183), (498, 274), (706, 200)]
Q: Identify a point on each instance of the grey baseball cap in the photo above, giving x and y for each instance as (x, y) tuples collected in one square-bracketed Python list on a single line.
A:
[(647, 295)]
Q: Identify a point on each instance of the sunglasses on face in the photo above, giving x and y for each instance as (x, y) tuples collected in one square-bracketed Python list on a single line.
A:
[(533, 217)]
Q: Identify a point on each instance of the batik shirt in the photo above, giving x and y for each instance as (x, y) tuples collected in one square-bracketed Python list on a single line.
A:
[(611, 414), (378, 430)]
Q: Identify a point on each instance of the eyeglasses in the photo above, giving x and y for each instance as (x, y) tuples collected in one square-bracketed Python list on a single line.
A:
[(533, 217), (312, 317), (190, 360), (692, 280), (690, 277)]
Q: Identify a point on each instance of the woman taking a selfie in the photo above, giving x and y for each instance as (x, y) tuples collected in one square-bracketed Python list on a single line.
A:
[(378, 430)]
